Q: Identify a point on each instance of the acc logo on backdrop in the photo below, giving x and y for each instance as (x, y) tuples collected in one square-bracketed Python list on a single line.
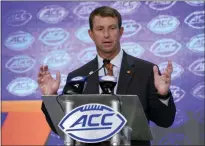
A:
[(87, 54), (18, 18), (174, 139), (126, 7), (84, 9), (85, 122), (52, 14), (198, 91), (196, 43), (54, 36), (20, 63), (131, 27), (57, 59), (180, 118), (197, 67), (133, 49), (177, 69), (19, 40), (195, 3), (22, 86), (195, 20), (165, 47), (82, 34), (160, 5), (177, 93), (163, 24)]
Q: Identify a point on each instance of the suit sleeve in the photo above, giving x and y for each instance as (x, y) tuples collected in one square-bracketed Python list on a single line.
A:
[(44, 110), (161, 114), (48, 119)]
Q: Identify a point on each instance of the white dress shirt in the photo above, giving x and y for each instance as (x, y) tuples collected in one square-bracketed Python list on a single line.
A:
[(116, 71), (116, 67)]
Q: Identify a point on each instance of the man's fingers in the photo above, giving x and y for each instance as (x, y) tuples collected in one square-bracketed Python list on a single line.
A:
[(47, 72), (41, 68), (155, 70), (170, 67), (46, 68), (166, 74), (40, 83), (167, 80), (58, 77), (40, 74)]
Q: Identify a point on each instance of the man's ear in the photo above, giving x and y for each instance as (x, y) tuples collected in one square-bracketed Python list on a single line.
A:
[(90, 32), (121, 31)]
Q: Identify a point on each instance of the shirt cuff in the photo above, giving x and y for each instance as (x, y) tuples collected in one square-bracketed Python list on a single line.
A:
[(165, 101)]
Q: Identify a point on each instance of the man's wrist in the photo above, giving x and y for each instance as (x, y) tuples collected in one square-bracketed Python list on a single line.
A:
[(164, 97), (51, 93)]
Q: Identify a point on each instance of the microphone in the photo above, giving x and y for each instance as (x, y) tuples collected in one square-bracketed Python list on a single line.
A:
[(105, 61), (78, 84), (75, 85), (107, 84)]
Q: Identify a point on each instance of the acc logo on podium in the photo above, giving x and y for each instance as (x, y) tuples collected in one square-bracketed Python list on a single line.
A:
[(92, 123)]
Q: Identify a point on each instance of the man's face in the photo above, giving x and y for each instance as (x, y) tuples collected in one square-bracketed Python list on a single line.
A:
[(106, 34)]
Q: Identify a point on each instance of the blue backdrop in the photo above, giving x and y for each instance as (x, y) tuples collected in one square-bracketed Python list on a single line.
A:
[(55, 33)]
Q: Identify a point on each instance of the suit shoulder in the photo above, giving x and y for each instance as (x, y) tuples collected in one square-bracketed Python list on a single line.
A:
[(84, 69), (142, 62)]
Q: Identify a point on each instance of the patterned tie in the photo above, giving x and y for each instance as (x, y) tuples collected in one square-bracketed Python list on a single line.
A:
[(109, 68)]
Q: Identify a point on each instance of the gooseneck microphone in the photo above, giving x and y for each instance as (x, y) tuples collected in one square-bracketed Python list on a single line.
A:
[(78, 84), (105, 61)]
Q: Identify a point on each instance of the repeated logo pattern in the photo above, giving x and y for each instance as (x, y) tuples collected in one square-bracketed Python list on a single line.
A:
[(18, 17), (20, 64), (19, 41), (160, 5), (52, 14), (56, 34), (195, 20), (163, 24), (165, 47)]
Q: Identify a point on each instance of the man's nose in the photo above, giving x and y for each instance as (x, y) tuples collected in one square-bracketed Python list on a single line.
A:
[(106, 33)]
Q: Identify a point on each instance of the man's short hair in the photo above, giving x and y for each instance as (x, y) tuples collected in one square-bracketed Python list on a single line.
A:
[(105, 11)]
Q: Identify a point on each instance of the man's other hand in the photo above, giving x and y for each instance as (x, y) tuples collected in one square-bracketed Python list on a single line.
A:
[(47, 84)]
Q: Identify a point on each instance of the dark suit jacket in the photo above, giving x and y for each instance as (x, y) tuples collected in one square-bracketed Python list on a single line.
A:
[(140, 81)]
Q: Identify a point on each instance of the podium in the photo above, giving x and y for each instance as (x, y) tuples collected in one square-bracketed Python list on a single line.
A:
[(128, 105)]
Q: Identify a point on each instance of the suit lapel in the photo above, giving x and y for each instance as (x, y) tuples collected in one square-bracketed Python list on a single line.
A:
[(126, 73), (92, 82)]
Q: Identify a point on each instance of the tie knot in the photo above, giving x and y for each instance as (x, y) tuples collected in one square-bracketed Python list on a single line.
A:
[(109, 68)]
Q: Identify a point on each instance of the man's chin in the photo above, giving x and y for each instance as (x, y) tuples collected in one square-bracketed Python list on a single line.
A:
[(108, 49)]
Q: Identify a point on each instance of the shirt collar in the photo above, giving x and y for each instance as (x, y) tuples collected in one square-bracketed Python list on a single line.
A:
[(116, 61)]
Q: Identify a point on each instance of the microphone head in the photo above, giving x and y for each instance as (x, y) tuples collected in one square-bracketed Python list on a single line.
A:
[(106, 61), (75, 86), (107, 84)]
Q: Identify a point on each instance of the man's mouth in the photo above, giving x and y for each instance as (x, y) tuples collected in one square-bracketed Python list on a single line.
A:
[(107, 42)]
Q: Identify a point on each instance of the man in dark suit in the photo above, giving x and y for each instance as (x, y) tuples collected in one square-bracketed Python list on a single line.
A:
[(135, 76)]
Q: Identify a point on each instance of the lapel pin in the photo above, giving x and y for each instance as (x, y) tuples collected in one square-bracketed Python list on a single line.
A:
[(90, 72), (128, 71)]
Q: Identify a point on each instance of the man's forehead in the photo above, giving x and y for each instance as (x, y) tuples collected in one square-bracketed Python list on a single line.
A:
[(104, 17), (98, 20)]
